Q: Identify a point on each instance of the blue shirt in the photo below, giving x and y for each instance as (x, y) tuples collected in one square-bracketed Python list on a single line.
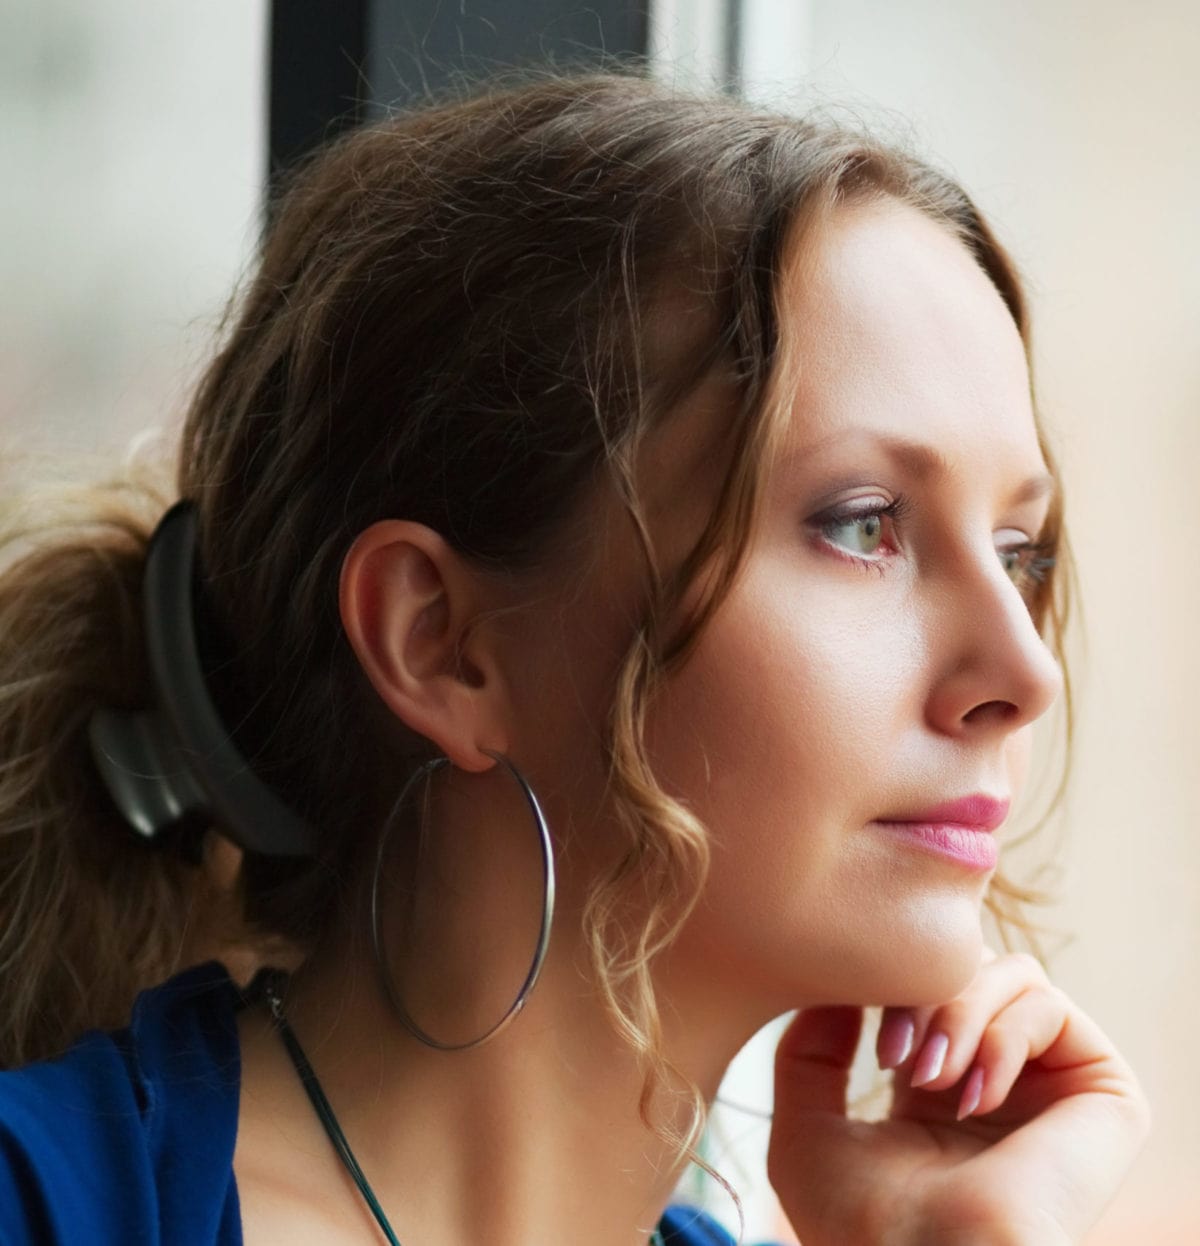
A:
[(127, 1139)]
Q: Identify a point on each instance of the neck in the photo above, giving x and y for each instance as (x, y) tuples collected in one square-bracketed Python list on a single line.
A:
[(529, 1138)]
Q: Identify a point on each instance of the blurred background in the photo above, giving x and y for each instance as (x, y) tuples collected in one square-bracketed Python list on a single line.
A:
[(136, 138)]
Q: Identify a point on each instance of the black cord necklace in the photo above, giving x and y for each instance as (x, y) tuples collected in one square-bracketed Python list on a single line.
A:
[(271, 986)]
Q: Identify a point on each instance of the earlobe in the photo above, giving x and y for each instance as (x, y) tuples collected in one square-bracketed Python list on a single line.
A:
[(406, 602)]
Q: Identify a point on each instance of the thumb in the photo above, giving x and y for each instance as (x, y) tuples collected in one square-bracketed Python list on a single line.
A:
[(813, 1059)]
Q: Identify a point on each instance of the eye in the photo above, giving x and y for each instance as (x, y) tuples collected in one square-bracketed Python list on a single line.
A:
[(1028, 564), (860, 530)]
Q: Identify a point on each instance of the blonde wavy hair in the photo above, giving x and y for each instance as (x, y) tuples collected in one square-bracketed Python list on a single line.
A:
[(448, 322)]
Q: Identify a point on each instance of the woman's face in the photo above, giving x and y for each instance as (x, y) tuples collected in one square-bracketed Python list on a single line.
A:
[(877, 657)]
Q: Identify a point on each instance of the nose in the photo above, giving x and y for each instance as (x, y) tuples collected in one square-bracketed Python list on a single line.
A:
[(995, 670)]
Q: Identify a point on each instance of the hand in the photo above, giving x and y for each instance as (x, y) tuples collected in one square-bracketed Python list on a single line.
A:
[(1059, 1120)]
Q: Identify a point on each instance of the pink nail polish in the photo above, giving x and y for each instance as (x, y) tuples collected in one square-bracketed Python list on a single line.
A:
[(895, 1040), (972, 1092), (933, 1056)]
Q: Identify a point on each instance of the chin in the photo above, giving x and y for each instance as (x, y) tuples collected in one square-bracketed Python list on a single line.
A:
[(921, 958), (932, 971), (919, 953)]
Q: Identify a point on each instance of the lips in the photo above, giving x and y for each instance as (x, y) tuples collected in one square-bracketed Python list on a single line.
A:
[(977, 812)]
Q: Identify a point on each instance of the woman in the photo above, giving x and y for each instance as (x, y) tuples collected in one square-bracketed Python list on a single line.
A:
[(623, 545)]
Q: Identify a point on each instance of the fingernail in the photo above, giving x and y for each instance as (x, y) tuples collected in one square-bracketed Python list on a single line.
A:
[(971, 1093), (895, 1039), (933, 1055)]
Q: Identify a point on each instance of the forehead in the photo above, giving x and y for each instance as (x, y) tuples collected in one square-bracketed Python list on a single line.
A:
[(895, 329)]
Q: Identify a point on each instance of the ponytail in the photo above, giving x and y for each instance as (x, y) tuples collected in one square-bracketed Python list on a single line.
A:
[(89, 914)]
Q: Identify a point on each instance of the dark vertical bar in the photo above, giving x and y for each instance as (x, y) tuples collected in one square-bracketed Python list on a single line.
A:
[(318, 51), (732, 69)]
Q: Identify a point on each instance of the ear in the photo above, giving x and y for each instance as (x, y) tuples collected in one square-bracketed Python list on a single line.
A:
[(408, 602)]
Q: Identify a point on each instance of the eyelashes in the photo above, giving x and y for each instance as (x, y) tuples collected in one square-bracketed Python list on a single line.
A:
[(1035, 561), (1028, 564)]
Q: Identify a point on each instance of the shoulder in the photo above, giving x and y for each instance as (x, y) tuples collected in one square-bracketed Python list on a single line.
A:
[(97, 1144)]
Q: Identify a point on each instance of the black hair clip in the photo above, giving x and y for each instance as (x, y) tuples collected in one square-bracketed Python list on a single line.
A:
[(173, 770)]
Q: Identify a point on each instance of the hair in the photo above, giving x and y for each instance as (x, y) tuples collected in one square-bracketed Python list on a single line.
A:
[(450, 322)]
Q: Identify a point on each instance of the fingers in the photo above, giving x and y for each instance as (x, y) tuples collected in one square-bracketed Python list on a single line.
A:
[(1072, 1120), (1009, 1014), (813, 1059), (1017, 1034)]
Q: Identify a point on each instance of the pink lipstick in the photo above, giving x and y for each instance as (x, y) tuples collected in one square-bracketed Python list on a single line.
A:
[(959, 830)]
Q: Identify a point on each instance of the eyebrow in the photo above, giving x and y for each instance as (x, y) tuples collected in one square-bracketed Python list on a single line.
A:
[(922, 460)]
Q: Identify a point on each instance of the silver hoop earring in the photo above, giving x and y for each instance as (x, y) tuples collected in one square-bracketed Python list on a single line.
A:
[(543, 942)]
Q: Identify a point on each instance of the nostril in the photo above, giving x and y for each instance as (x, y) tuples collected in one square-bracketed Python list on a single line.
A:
[(1000, 710)]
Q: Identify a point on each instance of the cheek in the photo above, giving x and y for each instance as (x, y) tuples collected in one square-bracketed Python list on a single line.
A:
[(776, 735), (790, 706), (782, 734)]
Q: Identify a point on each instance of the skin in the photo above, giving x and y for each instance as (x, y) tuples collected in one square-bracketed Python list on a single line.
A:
[(824, 695)]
